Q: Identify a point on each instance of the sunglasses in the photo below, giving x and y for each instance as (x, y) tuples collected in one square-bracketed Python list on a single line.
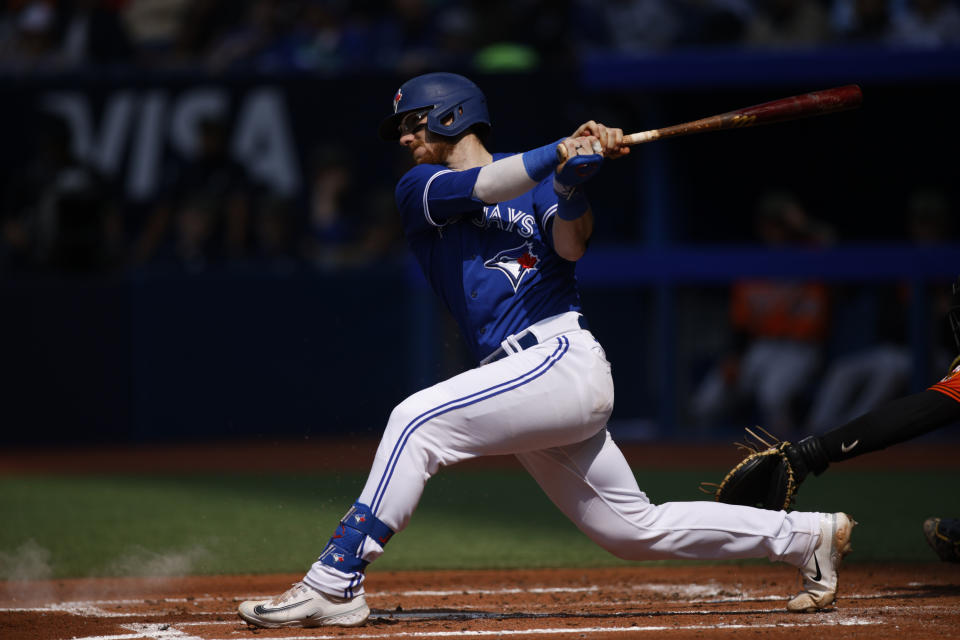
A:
[(411, 122)]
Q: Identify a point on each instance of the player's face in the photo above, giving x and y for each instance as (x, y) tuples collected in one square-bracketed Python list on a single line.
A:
[(425, 146)]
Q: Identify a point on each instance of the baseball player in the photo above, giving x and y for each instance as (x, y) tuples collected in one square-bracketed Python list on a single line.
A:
[(498, 236), (896, 421)]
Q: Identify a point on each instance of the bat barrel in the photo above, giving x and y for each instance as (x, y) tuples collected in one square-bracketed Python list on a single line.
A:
[(805, 105), (792, 108)]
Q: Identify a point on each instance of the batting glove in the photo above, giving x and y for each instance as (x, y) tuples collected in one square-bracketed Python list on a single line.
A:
[(576, 171)]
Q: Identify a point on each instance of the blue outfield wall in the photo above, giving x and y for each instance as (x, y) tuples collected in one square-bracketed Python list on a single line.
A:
[(221, 355), (242, 353)]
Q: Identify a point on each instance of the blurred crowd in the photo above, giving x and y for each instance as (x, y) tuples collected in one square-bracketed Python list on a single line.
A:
[(802, 356), (412, 35), (58, 211), (60, 214)]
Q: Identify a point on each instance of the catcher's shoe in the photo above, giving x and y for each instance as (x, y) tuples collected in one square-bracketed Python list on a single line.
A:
[(303, 606), (820, 573), (943, 535)]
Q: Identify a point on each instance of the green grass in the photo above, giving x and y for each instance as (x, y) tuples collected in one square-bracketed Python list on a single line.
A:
[(71, 526)]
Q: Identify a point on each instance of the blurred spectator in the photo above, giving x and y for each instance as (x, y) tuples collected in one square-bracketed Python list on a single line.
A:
[(458, 36), (927, 23), (859, 382), (93, 33), (204, 214), (348, 224), (778, 330), (522, 35), (789, 23), (861, 21), (275, 232), (33, 39), (408, 36), (154, 25), (266, 40), (59, 213), (202, 22), (329, 223), (714, 22), (325, 27), (631, 25)]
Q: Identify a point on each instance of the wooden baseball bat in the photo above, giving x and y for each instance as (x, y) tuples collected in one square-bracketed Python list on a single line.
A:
[(792, 108)]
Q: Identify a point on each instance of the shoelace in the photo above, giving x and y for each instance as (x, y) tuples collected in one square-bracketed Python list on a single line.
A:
[(292, 592)]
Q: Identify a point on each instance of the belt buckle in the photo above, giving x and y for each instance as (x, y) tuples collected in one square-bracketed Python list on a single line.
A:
[(526, 340)]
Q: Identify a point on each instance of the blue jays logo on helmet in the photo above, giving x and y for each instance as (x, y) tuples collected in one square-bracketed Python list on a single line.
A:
[(451, 98), (516, 263)]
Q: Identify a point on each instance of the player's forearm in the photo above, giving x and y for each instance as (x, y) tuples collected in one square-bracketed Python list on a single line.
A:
[(897, 421), (570, 237), (511, 177)]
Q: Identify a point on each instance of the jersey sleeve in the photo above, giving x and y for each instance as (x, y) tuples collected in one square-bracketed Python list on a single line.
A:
[(950, 385), (545, 208), (430, 195)]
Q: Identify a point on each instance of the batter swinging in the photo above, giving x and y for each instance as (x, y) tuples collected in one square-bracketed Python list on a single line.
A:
[(498, 236)]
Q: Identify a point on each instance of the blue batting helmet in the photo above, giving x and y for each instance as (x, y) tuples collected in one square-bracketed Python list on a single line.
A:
[(445, 94)]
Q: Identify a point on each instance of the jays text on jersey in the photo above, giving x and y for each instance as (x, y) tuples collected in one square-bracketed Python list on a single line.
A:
[(492, 265)]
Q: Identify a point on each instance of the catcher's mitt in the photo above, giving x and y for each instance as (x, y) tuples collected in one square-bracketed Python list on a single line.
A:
[(766, 478)]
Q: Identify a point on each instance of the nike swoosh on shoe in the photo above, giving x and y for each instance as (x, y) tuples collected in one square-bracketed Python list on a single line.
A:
[(261, 610)]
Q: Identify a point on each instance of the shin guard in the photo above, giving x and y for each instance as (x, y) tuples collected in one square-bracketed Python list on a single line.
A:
[(345, 549)]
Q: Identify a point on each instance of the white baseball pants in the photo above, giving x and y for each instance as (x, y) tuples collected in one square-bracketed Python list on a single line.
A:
[(549, 405)]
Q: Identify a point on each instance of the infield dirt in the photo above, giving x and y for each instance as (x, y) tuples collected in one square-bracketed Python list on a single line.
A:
[(726, 601)]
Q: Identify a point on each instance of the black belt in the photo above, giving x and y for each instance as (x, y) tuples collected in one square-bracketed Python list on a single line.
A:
[(528, 340)]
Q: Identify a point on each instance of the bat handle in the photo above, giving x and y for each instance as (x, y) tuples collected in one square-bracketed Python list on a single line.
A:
[(597, 148), (641, 137)]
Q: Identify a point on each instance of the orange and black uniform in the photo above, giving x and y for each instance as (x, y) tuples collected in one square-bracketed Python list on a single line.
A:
[(786, 310), (899, 420), (950, 385), (896, 421)]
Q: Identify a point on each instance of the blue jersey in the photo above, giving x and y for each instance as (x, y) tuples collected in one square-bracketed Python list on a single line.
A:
[(493, 266)]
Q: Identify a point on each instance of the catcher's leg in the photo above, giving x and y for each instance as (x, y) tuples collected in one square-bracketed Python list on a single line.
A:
[(594, 486)]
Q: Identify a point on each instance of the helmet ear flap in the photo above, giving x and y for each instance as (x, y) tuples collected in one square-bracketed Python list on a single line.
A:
[(458, 114), (442, 120)]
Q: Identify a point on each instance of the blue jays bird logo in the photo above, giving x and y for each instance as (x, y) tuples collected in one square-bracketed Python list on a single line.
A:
[(515, 263), (331, 551)]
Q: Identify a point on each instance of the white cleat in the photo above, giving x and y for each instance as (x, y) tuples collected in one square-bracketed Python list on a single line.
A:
[(303, 606), (820, 573)]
